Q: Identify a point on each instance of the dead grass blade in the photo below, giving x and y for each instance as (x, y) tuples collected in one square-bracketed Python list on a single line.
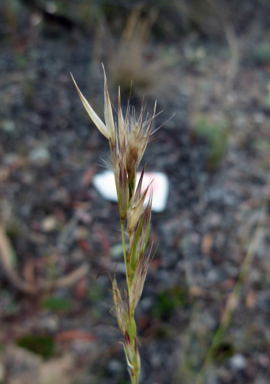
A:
[(42, 285)]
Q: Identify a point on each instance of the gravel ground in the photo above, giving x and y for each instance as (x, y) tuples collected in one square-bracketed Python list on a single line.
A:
[(213, 233)]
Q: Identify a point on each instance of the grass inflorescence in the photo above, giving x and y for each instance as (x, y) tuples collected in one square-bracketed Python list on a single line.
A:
[(128, 139)]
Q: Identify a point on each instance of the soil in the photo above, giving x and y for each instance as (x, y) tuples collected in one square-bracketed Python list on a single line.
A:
[(212, 237)]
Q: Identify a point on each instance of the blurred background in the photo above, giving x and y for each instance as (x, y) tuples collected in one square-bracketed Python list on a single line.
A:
[(204, 316)]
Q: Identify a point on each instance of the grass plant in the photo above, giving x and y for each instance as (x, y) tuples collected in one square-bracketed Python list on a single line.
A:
[(133, 57), (214, 129), (128, 138)]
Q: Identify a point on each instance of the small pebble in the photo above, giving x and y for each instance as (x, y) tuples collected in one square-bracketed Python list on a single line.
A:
[(117, 250), (238, 362), (39, 155), (8, 126), (49, 224), (114, 366)]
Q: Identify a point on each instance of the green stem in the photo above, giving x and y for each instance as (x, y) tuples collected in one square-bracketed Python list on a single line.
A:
[(134, 380), (125, 255)]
